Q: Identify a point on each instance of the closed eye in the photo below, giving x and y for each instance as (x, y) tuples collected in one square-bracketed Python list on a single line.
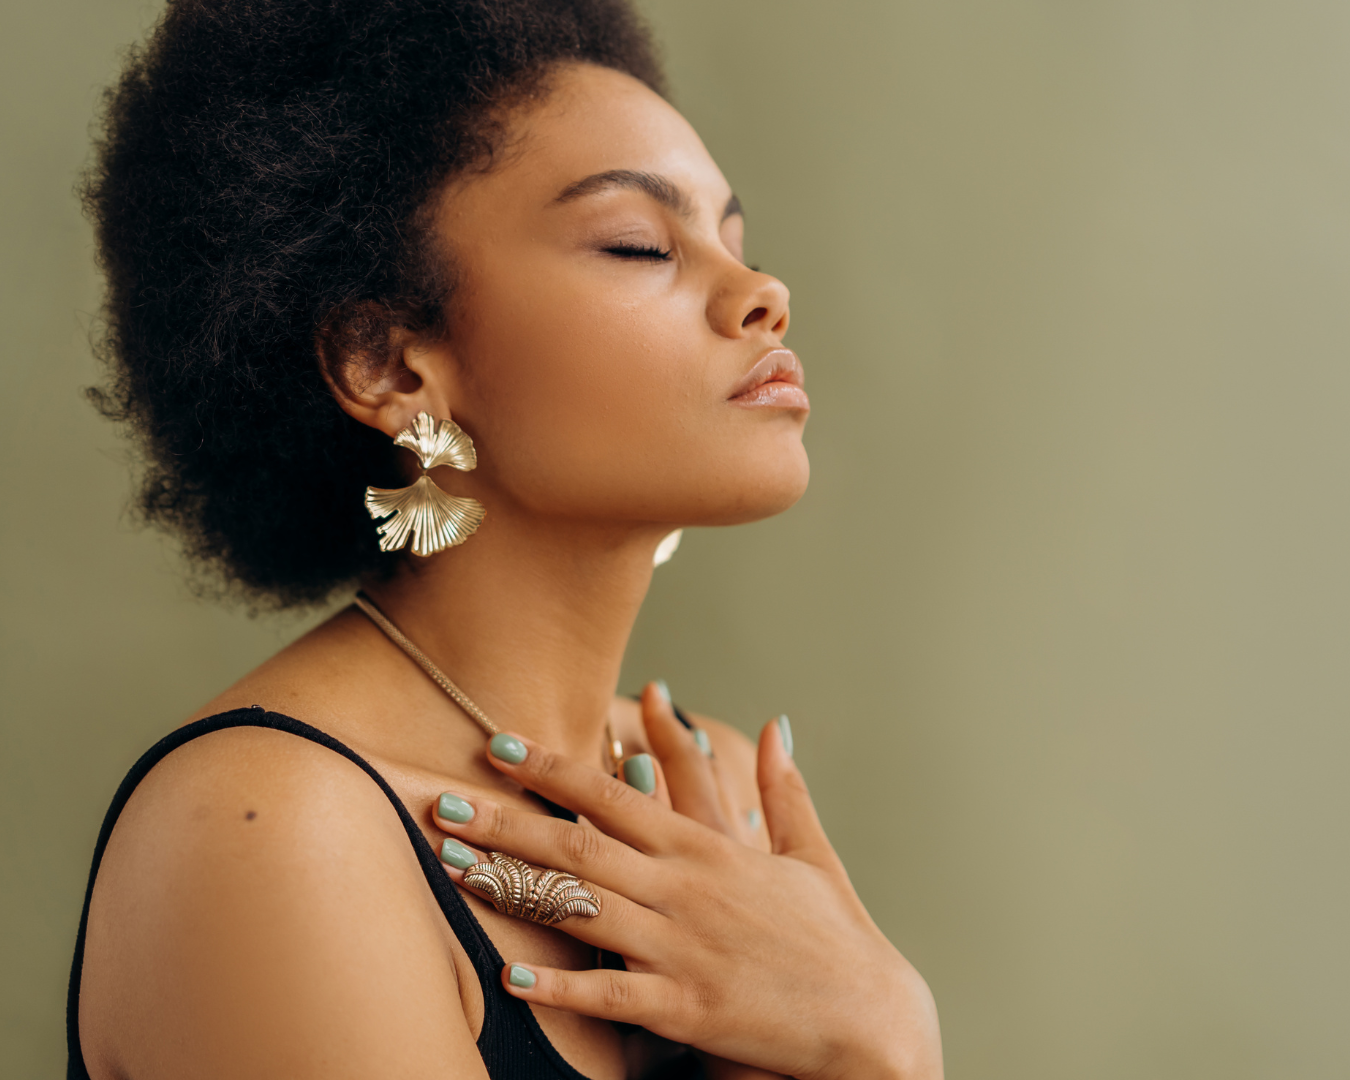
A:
[(637, 251)]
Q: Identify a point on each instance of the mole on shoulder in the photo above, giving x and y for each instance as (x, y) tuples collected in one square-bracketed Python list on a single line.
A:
[(250, 815)]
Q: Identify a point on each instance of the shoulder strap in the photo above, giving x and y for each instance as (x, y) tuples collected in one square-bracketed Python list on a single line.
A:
[(503, 1016)]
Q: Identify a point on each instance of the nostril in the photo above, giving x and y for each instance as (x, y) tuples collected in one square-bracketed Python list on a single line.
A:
[(754, 316)]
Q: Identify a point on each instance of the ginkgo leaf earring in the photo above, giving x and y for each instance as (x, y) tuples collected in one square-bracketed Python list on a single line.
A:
[(433, 519)]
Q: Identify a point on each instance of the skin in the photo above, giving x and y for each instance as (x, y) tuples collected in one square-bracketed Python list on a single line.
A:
[(259, 911)]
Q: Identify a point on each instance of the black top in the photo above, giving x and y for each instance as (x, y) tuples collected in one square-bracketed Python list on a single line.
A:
[(511, 1042)]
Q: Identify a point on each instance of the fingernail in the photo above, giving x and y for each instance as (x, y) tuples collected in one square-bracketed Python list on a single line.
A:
[(453, 808), (522, 977), (505, 748), (753, 818), (640, 773), (785, 733), (457, 855), (701, 737), (665, 690)]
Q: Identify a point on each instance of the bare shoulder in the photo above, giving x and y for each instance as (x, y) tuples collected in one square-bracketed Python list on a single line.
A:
[(321, 673), (259, 911)]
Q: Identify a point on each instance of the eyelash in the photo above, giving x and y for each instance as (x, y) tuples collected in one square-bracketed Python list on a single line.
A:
[(634, 251)]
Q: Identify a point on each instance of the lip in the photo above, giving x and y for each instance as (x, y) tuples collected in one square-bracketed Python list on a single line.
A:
[(776, 381)]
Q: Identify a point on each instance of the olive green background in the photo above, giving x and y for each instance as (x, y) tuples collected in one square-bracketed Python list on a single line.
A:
[(1062, 622)]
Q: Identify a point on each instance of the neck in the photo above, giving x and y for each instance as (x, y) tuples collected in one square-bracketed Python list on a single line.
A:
[(530, 618)]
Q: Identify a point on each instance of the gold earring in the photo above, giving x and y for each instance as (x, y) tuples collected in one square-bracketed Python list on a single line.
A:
[(435, 520)]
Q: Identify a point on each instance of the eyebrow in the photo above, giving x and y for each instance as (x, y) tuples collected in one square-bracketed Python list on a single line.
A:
[(663, 190)]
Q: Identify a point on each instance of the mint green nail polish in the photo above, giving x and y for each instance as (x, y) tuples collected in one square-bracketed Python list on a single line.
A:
[(753, 818), (503, 747), (453, 808), (665, 690), (785, 733), (522, 977), (701, 737), (457, 855), (640, 773)]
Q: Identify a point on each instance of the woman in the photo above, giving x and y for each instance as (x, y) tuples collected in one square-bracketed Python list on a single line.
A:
[(475, 228)]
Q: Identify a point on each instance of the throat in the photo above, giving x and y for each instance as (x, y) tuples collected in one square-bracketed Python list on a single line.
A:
[(526, 637)]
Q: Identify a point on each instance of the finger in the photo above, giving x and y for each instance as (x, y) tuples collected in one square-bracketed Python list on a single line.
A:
[(614, 807), (694, 791), (621, 926), (789, 813), (644, 773), (544, 841), (650, 1001), (457, 857)]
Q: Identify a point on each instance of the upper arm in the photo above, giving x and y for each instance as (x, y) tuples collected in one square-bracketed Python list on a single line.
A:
[(260, 912)]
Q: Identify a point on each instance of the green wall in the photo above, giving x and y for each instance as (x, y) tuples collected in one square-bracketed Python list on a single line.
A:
[(1062, 622)]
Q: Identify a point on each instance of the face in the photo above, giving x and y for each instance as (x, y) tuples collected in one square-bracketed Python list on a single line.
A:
[(610, 353)]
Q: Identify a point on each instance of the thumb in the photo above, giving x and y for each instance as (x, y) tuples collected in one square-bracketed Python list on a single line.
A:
[(789, 813)]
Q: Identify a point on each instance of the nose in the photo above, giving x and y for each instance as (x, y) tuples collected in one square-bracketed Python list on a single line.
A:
[(748, 302)]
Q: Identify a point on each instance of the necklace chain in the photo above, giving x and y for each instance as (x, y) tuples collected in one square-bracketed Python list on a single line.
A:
[(441, 679)]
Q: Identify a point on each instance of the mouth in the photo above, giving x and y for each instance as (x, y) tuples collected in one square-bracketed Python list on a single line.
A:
[(776, 381)]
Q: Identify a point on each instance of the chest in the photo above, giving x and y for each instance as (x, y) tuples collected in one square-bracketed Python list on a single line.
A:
[(594, 1047)]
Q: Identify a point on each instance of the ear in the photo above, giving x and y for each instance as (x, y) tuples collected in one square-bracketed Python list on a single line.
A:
[(381, 370)]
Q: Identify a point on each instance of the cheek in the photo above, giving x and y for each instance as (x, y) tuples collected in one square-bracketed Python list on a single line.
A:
[(594, 399), (587, 395)]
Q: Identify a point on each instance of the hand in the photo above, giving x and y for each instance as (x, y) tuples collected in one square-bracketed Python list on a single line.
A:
[(715, 790), (764, 958), (695, 783)]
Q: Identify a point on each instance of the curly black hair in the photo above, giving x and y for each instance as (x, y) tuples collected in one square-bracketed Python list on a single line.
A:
[(265, 166)]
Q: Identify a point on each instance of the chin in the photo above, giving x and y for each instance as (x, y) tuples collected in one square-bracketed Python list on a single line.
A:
[(762, 491)]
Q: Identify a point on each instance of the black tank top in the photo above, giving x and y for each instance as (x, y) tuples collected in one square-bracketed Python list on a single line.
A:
[(513, 1045)]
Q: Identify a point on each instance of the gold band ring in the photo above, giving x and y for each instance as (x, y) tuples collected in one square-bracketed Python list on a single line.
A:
[(514, 890)]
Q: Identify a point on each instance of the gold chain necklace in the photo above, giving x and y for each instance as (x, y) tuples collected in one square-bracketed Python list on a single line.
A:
[(441, 679)]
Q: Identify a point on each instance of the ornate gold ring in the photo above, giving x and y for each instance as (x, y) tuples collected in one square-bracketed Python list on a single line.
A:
[(512, 887)]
